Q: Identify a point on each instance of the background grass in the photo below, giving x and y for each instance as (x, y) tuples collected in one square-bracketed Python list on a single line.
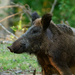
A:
[(9, 61)]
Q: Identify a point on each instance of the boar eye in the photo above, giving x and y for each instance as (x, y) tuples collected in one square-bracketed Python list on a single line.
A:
[(35, 31)]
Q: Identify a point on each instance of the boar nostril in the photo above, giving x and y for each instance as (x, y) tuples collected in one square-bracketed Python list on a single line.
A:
[(10, 49)]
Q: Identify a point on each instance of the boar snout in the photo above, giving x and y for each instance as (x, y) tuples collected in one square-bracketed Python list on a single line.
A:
[(9, 47), (19, 46)]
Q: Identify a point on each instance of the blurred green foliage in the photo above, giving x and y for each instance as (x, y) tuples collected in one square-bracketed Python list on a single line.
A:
[(63, 11)]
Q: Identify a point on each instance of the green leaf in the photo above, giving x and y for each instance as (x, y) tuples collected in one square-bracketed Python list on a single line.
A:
[(20, 25), (13, 28)]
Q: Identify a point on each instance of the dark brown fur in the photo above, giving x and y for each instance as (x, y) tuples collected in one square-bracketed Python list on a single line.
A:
[(54, 46)]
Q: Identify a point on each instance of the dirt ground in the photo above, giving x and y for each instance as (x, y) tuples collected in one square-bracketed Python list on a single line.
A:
[(19, 72)]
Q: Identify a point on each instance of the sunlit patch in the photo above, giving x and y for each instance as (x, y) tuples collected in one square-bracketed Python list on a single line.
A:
[(37, 22)]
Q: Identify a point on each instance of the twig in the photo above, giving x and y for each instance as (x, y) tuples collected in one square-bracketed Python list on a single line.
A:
[(26, 12), (34, 73), (55, 1), (26, 9), (9, 16), (8, 6), (7, 30)]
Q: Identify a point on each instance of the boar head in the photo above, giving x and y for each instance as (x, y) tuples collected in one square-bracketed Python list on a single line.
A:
[(31, 41)]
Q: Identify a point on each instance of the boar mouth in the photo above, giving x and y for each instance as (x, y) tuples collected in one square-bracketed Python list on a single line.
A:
[(10, 49), (18, 51)]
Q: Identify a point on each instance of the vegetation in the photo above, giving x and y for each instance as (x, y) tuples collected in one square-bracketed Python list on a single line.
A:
[(63, 11), (10, 61)]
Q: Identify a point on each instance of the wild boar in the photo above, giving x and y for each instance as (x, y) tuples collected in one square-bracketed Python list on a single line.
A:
[(53, 45)]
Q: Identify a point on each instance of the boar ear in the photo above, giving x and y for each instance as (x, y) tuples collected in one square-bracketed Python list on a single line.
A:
[(46, 20), (34, 16)]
